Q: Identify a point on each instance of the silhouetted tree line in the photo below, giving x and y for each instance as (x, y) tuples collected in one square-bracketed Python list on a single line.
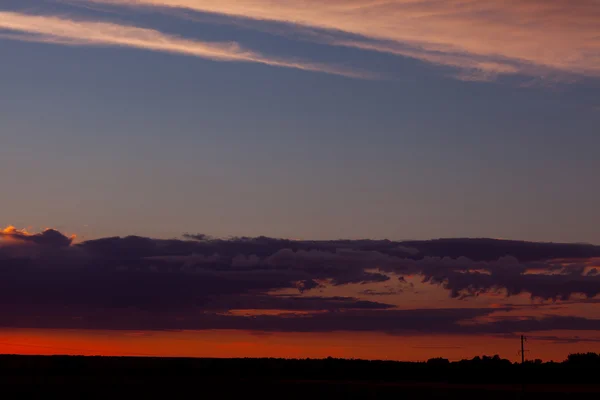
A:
[(577, 368)]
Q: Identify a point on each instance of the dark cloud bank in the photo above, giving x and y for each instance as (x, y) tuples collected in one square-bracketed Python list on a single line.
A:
[(46, 281)]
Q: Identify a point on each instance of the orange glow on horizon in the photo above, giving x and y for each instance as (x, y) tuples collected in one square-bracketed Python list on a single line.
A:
[(235, 344)]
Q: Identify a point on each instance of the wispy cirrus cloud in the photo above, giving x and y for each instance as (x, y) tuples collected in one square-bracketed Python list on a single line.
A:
[(85, 32), (480, 38)]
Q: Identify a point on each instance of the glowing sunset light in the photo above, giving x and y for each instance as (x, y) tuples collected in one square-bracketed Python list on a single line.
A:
[(379, 179)]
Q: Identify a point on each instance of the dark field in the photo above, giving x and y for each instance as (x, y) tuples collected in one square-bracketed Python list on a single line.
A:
[(114, 377)]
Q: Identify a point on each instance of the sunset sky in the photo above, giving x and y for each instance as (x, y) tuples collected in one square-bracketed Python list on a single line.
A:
[(267, 178)]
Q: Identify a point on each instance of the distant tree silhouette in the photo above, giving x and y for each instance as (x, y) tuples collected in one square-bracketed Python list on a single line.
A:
[(584, 359), (576, 369), (486, 361), (438, 362)]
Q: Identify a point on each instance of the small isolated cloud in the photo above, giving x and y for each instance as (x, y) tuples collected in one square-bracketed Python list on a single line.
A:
[(48, 237)]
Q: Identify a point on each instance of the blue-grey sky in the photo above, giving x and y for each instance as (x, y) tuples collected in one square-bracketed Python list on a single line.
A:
[(301, 119)]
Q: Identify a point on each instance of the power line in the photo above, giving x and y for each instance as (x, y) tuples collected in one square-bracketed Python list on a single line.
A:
[(68, 348)]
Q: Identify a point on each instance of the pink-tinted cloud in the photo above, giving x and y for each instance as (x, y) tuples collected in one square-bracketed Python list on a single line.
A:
[(482, 38), (80, 32)]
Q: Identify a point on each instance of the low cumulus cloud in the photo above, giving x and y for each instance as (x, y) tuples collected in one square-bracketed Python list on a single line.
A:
[(200, 282), (551, 279), (48, 237)]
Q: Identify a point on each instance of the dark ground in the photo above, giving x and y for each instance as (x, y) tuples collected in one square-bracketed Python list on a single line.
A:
[(23, 377)]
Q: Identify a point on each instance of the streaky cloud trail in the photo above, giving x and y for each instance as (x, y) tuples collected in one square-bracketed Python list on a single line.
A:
[(84, 32), (554, 39)]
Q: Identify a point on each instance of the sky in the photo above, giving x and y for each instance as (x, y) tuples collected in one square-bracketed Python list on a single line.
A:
[(306, 122)]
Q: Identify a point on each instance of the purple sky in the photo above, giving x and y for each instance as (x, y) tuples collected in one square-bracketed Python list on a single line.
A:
[(131, 123), (327, 121)]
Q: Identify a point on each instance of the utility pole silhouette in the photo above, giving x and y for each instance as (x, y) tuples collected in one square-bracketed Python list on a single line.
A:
[(523, 340)]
